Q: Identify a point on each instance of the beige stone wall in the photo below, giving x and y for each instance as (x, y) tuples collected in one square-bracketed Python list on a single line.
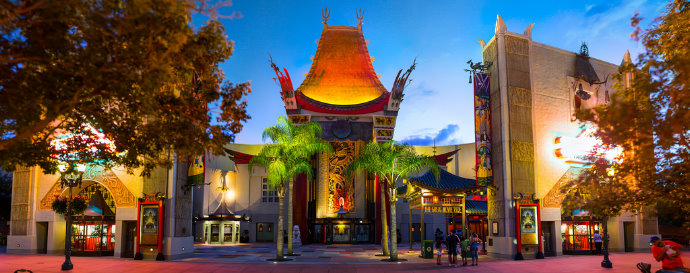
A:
[(552, 100)]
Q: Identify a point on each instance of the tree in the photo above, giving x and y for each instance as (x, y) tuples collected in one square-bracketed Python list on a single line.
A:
[(391, 162), (137, 70), (287, 156), (648, 117)]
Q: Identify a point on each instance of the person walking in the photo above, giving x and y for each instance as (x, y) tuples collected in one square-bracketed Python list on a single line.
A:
[(597, 242), (452, 244), (474, 248), (464, 250)]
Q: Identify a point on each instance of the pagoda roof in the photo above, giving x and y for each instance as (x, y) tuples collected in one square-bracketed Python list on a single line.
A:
[(476, 207), (341, 73), (449, 183)]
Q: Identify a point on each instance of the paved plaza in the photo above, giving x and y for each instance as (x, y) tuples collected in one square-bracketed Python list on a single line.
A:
[(316, 258)]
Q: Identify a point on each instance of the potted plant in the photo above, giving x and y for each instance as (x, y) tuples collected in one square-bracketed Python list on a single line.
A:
[(59, 205)]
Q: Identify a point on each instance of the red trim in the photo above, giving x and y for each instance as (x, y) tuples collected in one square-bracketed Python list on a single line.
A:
[(239, 158), (517, 227), (443, 159), (378, 211), (299, 208), (160, 227), (539, 228), (136, 236), (379, 106)]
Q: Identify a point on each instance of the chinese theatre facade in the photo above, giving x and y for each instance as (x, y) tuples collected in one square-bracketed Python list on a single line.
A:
[(343, 93), (539, 145)]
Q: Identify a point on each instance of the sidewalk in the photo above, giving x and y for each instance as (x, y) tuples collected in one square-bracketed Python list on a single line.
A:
[(252, 258)]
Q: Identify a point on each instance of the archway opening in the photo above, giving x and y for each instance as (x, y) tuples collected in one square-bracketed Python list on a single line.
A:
[(93, 231)]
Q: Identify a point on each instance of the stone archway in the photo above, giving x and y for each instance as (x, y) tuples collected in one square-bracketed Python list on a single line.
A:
[(104, 176)]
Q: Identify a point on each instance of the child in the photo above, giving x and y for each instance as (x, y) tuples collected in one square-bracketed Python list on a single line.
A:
[(439, 249), (464, 250)]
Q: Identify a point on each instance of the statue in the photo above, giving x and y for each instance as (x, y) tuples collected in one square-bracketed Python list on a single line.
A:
[(296, 241)]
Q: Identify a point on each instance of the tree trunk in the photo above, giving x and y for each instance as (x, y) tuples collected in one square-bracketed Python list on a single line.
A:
[(291, 196), (384, 219), (394, 230), (279, 246)]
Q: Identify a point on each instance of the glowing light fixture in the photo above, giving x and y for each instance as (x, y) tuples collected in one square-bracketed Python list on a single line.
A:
[(584, 147)]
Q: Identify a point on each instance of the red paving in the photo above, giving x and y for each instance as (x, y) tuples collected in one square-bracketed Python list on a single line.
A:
[(562, 264)]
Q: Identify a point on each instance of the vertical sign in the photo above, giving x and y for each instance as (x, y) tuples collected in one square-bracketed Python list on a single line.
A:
[(195, 173), (482, 129)]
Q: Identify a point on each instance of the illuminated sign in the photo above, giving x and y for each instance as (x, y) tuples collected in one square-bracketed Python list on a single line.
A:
[(86, 139), (585, 148)]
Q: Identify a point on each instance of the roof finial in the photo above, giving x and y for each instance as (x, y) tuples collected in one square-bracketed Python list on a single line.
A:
[(325, 13), (360, 16)]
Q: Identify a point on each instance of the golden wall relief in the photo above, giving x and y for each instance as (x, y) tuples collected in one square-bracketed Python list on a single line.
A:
[(341, 190), (555, 197), (122, 196)]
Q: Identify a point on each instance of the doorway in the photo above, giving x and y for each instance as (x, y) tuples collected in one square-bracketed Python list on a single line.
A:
[(42, 237), (628, 233), (128, 233), (547, 231), (264, 232)]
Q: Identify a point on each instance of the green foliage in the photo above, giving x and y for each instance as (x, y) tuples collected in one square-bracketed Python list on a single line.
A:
[(137, 70), (290, 151), (79, 205), (650, 119), (391, 161)]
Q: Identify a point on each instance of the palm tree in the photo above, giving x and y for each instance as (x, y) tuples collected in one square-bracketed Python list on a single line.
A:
[(286, 157), (391, 162)]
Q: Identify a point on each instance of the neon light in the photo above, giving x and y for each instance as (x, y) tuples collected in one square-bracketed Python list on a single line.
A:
[(584, 147)]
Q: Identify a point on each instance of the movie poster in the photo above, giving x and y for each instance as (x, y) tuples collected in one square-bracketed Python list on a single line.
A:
[(482, 129), (528, 225), (149, 224)]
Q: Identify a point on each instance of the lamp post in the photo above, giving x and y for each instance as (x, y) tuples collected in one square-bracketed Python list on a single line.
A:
[(606, 262), (69, 183)]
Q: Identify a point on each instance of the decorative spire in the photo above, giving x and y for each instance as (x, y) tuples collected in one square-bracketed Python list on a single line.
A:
[(360, 16), (284, 79), (401, 81), (325, 13), (584, 50), (500, 25)]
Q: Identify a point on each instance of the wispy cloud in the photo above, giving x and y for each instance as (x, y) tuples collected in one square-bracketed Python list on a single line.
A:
[(445, 136)]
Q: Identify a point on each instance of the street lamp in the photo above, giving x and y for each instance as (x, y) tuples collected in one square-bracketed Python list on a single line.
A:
[(69, 183), (606, 263)]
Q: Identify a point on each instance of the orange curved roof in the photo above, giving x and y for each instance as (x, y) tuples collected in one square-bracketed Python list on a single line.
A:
[(342, 73)]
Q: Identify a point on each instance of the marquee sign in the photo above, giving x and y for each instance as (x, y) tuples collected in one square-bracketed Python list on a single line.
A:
[(585, 148)]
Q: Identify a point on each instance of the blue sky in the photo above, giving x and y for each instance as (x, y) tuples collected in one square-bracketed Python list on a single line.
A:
[(441, 34)]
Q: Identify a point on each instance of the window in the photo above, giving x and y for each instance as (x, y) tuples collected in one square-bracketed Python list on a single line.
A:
[(268, 195)]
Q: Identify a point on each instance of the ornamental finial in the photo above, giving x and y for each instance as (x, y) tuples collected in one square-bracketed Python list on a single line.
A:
[(325, 13), (360, 16)]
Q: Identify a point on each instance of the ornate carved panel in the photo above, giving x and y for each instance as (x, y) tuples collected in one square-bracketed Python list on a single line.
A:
[(299, 119), (517, 46), (122, 196), (341, 189), (554, 197), (21, 192), (522, 151)]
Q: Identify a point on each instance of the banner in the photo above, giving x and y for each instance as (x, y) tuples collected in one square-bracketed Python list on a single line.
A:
[(195, 173), (482, 129)]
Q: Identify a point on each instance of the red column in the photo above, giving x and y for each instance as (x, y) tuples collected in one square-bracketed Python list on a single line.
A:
[(378, 211), (159, 257), (518, 256), (299, 204), (137, 255), (540, 252)]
